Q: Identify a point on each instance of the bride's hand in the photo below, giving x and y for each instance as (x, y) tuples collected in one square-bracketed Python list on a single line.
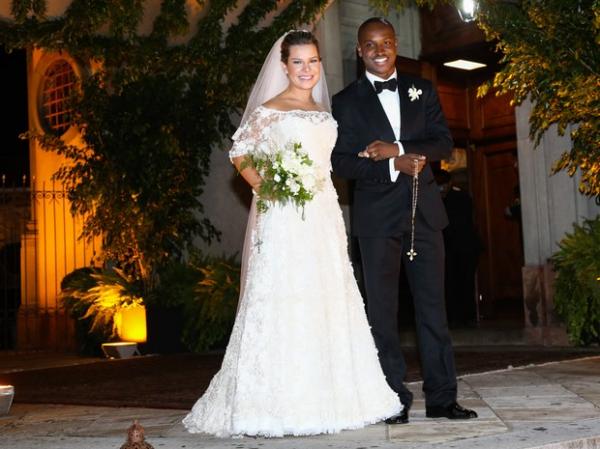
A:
[(256, 186)]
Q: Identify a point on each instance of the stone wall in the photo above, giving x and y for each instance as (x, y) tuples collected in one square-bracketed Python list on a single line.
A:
[(550, 205)]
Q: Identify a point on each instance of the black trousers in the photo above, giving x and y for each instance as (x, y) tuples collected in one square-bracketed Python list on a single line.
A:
[(381, 262)]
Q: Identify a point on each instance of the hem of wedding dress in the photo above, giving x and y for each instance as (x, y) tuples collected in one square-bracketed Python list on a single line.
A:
[(192, 428)]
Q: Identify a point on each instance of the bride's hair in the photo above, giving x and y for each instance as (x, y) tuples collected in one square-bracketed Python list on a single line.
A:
[(297, 37), (272, 80)]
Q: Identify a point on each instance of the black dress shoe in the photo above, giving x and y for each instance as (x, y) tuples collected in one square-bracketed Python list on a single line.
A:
[(452, 411), (401, 418)]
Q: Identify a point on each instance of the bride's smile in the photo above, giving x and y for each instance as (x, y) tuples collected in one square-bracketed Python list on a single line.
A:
[(303, 67)]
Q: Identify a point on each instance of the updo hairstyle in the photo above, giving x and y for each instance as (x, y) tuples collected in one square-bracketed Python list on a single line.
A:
[(297, 37)]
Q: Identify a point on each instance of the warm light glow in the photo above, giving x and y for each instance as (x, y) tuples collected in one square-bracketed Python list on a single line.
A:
[(131, 323), (464, 64), (456, 161), (467, 9), (108, 299)]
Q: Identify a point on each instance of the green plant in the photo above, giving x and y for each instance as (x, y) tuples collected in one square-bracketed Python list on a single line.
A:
[(399, 5), (210, 316), (80, 280), (577, 286), (552, 57), (150, 112), (140, 182), (205, 290), (96, 295), (176, 286)]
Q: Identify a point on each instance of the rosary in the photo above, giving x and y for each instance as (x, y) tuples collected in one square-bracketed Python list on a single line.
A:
[(415, 193)]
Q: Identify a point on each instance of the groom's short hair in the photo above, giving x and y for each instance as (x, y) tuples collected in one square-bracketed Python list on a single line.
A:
[(369, 21)]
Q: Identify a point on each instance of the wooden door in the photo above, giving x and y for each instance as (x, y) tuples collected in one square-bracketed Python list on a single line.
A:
[(495, 184)]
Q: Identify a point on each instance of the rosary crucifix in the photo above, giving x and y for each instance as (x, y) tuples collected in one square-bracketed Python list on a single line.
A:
[(415, 193)]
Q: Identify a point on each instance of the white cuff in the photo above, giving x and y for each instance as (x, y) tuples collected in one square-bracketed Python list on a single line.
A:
[(393, 172), (400, 148)]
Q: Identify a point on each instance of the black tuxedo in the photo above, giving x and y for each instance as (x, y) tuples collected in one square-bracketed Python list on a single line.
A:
[(381, 212)]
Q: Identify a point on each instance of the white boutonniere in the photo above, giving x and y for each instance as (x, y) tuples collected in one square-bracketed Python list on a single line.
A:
[(414, 93)]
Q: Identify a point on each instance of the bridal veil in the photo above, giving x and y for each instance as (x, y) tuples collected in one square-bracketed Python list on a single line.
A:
[(271, 81)]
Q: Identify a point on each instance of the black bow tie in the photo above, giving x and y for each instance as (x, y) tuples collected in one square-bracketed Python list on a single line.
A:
[(390, 84)]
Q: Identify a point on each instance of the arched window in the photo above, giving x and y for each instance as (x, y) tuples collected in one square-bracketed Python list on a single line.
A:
[(57, 86)]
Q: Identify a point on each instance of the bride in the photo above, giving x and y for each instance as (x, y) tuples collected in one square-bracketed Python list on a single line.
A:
[(301, 359)]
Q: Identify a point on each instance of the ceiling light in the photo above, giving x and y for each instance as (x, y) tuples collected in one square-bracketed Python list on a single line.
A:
[(463, 64), (467, 9)]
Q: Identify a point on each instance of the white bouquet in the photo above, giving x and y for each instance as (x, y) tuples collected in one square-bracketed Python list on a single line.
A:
[(288, 175)]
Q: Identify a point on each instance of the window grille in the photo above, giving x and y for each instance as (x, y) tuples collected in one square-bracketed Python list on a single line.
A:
[(57, 86)]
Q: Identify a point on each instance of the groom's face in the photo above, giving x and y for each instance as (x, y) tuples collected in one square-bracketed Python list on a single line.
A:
[(377, 48)]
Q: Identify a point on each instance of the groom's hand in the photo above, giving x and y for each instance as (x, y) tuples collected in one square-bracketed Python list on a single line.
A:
[(407, 162), (380, 150)]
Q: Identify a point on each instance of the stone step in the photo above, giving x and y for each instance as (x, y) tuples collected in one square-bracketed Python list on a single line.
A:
[(475, 337)]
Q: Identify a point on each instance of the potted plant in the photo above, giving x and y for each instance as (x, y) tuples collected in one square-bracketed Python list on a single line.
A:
[(95, 297)]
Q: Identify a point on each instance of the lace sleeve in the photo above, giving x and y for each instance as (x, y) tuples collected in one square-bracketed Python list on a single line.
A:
[(251, 135)]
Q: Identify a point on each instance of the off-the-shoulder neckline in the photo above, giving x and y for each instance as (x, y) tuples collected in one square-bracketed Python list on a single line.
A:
[(293, 110)]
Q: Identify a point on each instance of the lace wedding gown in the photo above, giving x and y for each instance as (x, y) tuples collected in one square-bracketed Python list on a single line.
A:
[(301, 359)]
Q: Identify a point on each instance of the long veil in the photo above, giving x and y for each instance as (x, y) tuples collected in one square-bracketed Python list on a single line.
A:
[(271, 81)]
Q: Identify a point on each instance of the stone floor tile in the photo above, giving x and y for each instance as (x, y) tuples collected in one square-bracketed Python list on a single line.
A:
[(465, 391), (593, 398), (537, 402), (510, 378), (444, 431), (38, 413), (580, 443), (422, 429), (417, 412), (524, 392), (581, 386), (546, 410)]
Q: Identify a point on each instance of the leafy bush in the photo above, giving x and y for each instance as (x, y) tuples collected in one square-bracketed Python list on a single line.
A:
[(176, 286), (165, 309), (151, 109), (210, 316), (93, 296), (205, 290), (577, 287), (81, 280)]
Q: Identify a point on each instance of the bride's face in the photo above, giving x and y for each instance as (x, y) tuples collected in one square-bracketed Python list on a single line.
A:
[(303, 66)]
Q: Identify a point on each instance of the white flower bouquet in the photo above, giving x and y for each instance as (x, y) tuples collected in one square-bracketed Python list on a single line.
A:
[(288, 175)]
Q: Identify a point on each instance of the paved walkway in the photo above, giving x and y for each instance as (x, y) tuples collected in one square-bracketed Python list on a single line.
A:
[(554, 406)]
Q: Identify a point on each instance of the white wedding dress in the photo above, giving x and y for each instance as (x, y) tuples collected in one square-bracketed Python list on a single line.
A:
[(301, 359)]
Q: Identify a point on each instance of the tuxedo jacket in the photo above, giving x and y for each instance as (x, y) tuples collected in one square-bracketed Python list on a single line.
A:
[(381, 207)]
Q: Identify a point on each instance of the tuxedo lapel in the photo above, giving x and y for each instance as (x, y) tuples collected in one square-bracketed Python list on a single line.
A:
[(373, 112), (408, 110)]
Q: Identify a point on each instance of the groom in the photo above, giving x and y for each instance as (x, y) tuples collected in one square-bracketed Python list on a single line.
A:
[(390, 126)]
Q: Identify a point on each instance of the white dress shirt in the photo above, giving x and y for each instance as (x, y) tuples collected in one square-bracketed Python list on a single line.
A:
[(390, 101)]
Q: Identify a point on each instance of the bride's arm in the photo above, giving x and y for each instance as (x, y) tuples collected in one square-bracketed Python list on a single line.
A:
[(249, 174)]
